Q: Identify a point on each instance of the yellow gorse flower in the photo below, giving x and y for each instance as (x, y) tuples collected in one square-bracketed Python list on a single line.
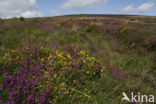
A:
[(73, 89), (66, 92), (50, 56), (87, 72), (13, 51), (82, 53), (55, 75), (69, 56), (42, 59), (63, 84)]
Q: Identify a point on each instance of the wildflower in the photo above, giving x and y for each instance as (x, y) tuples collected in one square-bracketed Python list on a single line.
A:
[(67, 92), (13, 51), (52, 75), (63, 84), (55, 89), (50, 101), (101, 74), (29, 98), (55, 75), (74, 81), (42, 59), (84, 61), (73, 89), (89, 97), (60, 55), (82, 53), (65, 63), (87, 72), (6, 54), (93, 58), (50, 56), (69, 56)]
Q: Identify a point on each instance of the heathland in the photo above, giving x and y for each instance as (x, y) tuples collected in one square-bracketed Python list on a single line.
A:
[(77, 59)]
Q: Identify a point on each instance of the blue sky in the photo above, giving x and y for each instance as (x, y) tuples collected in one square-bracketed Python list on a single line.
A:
[(110, 7), (37, 8)]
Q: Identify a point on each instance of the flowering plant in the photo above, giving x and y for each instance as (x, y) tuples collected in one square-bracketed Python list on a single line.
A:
[(47, 75)]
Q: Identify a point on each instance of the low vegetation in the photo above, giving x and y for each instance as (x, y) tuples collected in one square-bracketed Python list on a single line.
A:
[(76, 59)]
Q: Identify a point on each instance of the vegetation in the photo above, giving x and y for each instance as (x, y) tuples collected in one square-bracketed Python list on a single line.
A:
[(76, 59), (22, 18)]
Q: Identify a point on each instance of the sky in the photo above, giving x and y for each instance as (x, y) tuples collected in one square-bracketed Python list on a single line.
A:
[(46, 8)]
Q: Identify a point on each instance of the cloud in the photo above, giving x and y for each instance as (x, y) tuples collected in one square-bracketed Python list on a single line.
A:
[(31, 14), (55, 13), (128, 9), (145, 7), (12, 8), (81, 4)]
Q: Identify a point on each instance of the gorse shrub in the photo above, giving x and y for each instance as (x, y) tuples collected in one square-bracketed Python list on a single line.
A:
[(125, 30), (37, 75)]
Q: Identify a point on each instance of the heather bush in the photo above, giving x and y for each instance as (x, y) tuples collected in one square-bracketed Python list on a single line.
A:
[(47, 75)]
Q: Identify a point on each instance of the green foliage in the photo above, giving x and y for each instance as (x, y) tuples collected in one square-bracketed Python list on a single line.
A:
[(22, 18), (147, 21), (14, 18), (92, 28)]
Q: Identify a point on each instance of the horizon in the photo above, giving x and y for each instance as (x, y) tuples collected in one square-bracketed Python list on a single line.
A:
[(82, 15)]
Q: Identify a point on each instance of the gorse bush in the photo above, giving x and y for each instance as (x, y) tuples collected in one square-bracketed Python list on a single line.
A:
[(125, 30), (37, 75)]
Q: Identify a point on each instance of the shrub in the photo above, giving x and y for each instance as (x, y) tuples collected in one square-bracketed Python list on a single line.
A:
[(133, 19), (125, 30), (69, 23), (1, 21), (150, 44), (47, 75), (15, 18), (91, 28), (22, 18)]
